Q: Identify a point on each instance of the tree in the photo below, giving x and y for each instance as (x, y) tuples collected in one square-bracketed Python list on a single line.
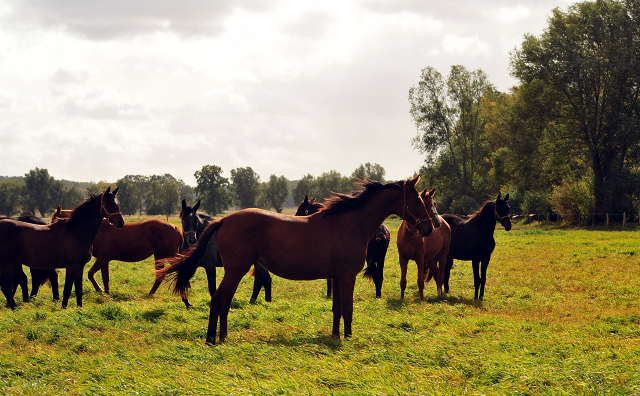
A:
[(305, 186), (276, 192), (38, 190), (211, 189), (68, 197), (585, 68), (141, 184), (10, 197), (374, 172), (332, 181), (169, 197), (127, 194), (245, 187), (450, 115), (152, 198)]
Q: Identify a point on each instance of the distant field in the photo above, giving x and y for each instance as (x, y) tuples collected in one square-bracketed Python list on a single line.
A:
[(561, 315)]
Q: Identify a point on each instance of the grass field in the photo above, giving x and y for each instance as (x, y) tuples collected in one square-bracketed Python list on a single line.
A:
[(561, 316)]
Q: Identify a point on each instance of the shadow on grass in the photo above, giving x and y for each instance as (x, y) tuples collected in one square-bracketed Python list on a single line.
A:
[(396, 304), (328, 341)]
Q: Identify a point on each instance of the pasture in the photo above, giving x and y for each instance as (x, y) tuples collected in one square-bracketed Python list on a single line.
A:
[(561, 315)]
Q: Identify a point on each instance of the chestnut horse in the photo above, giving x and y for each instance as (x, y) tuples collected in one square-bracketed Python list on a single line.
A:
[(134, 242), (376, 249), (63, 244), (424, 250), (331, 243), (473, 240)]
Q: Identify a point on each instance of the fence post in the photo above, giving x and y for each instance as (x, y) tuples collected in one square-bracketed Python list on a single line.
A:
[(607, 223), (624, 216)]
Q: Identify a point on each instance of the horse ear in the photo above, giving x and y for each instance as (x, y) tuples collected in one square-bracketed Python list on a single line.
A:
[(184, 204), (506, 198), (423, 193), (107, 190), (414, 181), (115, 192), (306, 199), (196, 206), (59, 211), (432, 192), (499, 196)]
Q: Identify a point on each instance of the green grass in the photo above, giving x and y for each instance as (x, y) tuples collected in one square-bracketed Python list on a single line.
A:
[(561, 316)]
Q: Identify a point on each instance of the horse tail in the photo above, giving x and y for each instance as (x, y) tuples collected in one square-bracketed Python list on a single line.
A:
[(370, 270), (182, 267)]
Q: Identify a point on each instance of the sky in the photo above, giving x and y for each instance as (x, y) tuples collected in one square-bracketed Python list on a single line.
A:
[(95, 90)]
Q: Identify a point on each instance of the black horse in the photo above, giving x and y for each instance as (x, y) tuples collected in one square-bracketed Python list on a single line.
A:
[(376, 249), (473, 240), (193, 224), (38, 277)]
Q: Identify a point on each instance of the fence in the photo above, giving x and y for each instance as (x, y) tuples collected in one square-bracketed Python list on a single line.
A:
[(589, 219)]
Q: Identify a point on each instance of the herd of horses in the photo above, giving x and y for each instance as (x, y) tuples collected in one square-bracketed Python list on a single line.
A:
[(331, 241)]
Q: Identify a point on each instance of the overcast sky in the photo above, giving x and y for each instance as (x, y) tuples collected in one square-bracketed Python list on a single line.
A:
[(94, 90)]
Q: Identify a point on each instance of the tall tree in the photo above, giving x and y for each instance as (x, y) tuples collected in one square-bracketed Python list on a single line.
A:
[(332, 181), (169, 197), (450, 115), (245, 187), (39, 186), (585, 67), (306, 186), (276, 192), (374, 172), (142, 184), (211, 189), (127, 194), (10, 197)]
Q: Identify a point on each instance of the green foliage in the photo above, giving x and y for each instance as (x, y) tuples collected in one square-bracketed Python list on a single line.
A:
[(374, 172), (245, 187), (332, 181), (463, 205), (276, 192), (38, 191), (127, 194), (535, 202), (211, 189), (306, 186), (573, 199), (10, 197)]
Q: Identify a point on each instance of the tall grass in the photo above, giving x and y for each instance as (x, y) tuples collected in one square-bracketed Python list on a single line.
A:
[(560, 316)]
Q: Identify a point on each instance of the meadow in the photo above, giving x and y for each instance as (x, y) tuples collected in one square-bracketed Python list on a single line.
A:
[(561, 316)]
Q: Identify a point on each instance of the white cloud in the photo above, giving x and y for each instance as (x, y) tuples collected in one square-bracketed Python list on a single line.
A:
[(102, 102), (514, 14), (467, 46), (8, 99)]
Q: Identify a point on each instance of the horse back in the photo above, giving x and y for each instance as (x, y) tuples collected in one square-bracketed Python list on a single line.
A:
[(468, 241)]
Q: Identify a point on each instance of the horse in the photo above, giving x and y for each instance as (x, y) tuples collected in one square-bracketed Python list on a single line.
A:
[(376, 249), (63, 244), (193, 225), (38, 277), (331, 243), (132, 243), (424, 250), (473, 240)]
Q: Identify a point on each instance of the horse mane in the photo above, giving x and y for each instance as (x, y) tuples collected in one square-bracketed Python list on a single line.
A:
[(365, 189), (478, 212), (82, 208)]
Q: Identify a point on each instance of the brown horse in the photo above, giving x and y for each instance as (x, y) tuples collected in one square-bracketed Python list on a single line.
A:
[(424, 250), (63, 244), (331, 243), (134, 242), (376, 248)]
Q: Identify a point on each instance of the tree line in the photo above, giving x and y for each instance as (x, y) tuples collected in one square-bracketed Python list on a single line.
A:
[(39, 193), (565, 139)]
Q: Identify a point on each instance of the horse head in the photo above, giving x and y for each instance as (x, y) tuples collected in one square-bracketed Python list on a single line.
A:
[(308, 206), (110, 207), (430, 206), (501, 210), (189, 219), (413, 209)]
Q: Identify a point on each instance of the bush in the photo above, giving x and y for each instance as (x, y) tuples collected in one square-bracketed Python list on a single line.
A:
[(463, 205), (573, 199)]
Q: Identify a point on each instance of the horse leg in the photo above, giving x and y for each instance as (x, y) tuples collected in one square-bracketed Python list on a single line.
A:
[(346, 297), (20, 278), (53, 280), (447, 273), (329, 287), (483, 277), (158, 265), (105, 276), (99, 263), (476, 277), (6, 285), (68, 284), (257, 285), (36, 280), (220, 305), (403, 274), (336, 308), (379, 278), (421, 278), (267, 286), (78, 287)]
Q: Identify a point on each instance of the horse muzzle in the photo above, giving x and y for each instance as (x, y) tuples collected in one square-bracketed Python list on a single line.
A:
[(119, 221)]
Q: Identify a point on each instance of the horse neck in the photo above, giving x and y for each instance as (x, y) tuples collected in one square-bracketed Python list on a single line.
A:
[(86, 220), (380, 206), (487, 219)]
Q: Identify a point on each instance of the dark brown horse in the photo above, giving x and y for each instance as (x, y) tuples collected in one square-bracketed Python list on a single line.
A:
[(424, 250), (376, 249), (331, 243), (132, 243), (473, 240), (63, 244), (38, 277)]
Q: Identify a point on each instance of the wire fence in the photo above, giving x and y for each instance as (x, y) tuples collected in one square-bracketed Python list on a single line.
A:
[(588, 219)]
